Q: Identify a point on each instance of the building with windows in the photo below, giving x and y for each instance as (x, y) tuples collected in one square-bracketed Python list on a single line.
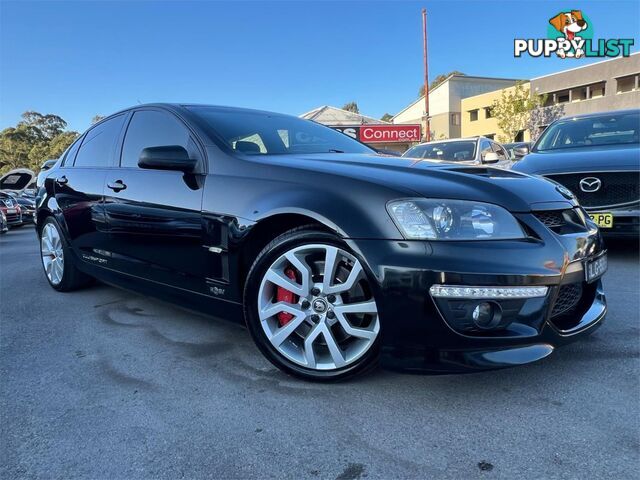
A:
[(477, 118), (445, 104), (600, 87)]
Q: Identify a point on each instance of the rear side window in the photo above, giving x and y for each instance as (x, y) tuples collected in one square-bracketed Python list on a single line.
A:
[(154, 129), (70, 156), (98, 144)]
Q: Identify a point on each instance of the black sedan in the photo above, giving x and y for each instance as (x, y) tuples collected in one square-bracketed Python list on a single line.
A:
[(335, 257), (597, 157)]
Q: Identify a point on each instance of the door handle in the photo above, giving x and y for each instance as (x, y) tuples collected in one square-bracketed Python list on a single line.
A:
[(63, 180), (116, 186)]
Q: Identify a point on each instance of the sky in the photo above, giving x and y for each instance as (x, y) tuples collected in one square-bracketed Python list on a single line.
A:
[(79, 59)]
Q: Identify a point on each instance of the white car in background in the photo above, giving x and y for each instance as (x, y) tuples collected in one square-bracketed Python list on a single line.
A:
[(469, 151)]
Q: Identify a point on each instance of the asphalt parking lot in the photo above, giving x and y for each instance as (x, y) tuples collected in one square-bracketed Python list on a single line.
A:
[(103, 383)]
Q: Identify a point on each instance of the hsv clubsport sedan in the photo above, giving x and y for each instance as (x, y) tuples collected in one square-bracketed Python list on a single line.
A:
[(335, 257), (597, 157)]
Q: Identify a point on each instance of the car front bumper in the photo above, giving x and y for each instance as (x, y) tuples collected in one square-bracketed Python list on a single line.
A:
[(424, 333)]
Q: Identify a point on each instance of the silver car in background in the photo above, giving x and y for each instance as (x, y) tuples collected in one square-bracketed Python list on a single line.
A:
[(469, 151)]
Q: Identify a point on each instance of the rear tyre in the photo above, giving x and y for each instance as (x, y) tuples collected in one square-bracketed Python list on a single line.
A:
[(310, 308), (57, 259)]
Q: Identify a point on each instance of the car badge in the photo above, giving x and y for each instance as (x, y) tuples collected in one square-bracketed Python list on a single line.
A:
[(590, 184), (565, 191)]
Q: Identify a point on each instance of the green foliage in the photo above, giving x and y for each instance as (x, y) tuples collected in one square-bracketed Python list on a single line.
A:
[(512, 110), (351, 107), (33, 140), (386, 117), (437, 81)]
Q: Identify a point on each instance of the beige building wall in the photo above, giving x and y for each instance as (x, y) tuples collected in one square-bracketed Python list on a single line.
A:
[(445, 101), (485, 125)]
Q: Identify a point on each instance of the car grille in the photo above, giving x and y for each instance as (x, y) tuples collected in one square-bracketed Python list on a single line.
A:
[(616, 187), (12, 217), (551, 218), (568, 298)]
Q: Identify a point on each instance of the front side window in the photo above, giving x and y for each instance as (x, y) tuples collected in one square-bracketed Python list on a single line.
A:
[(613, 129), (261, 133), (501, 152), (485, 147), (98, 144), (151, 128), (449, 151)]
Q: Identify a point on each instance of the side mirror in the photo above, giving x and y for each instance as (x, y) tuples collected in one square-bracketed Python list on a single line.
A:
[(491, 157), (519, 152), (170, 157)]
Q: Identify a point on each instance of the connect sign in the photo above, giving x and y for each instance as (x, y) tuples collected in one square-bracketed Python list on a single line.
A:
[(382, 133)]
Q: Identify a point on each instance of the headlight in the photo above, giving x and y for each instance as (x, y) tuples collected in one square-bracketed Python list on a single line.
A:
[(435, 219)]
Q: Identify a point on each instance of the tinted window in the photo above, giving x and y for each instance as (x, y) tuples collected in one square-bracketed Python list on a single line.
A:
[(153, 129), (70, 155), (97, 146), (261, 133), (609, 129), (449, 151)]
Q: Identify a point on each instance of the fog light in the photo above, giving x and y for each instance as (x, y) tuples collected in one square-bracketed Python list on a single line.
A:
[(486, 315)]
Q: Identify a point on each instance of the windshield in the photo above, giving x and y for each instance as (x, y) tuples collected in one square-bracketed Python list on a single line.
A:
[(261, 133), (449, 151), (610, 129)]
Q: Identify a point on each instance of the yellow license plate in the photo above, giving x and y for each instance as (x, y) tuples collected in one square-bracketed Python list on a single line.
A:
[(603, 220)]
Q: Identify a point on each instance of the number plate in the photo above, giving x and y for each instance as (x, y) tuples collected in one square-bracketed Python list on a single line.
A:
[(603, 220), (11, 210), (595, 268)]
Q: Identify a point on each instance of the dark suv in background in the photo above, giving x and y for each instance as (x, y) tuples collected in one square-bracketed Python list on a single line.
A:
[(597, 157)]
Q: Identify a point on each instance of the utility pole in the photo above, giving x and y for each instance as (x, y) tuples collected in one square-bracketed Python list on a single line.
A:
[(426, 76)]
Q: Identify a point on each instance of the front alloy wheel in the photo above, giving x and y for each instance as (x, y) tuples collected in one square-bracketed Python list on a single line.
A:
[(316, 309)]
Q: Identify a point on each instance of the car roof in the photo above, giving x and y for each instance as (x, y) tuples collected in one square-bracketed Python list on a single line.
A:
[(183, 106), (449, 140)]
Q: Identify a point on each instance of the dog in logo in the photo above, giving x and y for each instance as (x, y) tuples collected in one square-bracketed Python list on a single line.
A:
[(569, 24)]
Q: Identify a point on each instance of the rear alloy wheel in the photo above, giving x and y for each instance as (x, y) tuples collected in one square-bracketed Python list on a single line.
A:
[(316, 314), (52, 254), (57, 262)]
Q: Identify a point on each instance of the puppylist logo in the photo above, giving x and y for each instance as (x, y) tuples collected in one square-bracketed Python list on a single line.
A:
[(570, 35)]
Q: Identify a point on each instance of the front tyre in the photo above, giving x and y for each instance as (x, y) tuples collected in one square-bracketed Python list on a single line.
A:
[(310, 307), (57, 261)]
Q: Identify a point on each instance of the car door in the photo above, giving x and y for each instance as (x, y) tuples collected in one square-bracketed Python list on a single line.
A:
[(78, 187), (155, 216)]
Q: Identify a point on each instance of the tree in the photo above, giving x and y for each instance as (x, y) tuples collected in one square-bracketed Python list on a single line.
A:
[(351, 107), (33, 140), (437, 81), (96, 118), (386, 117), (512, 110)]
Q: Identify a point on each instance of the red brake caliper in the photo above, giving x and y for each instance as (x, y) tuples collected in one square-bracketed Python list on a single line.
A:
[(284, 295)]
